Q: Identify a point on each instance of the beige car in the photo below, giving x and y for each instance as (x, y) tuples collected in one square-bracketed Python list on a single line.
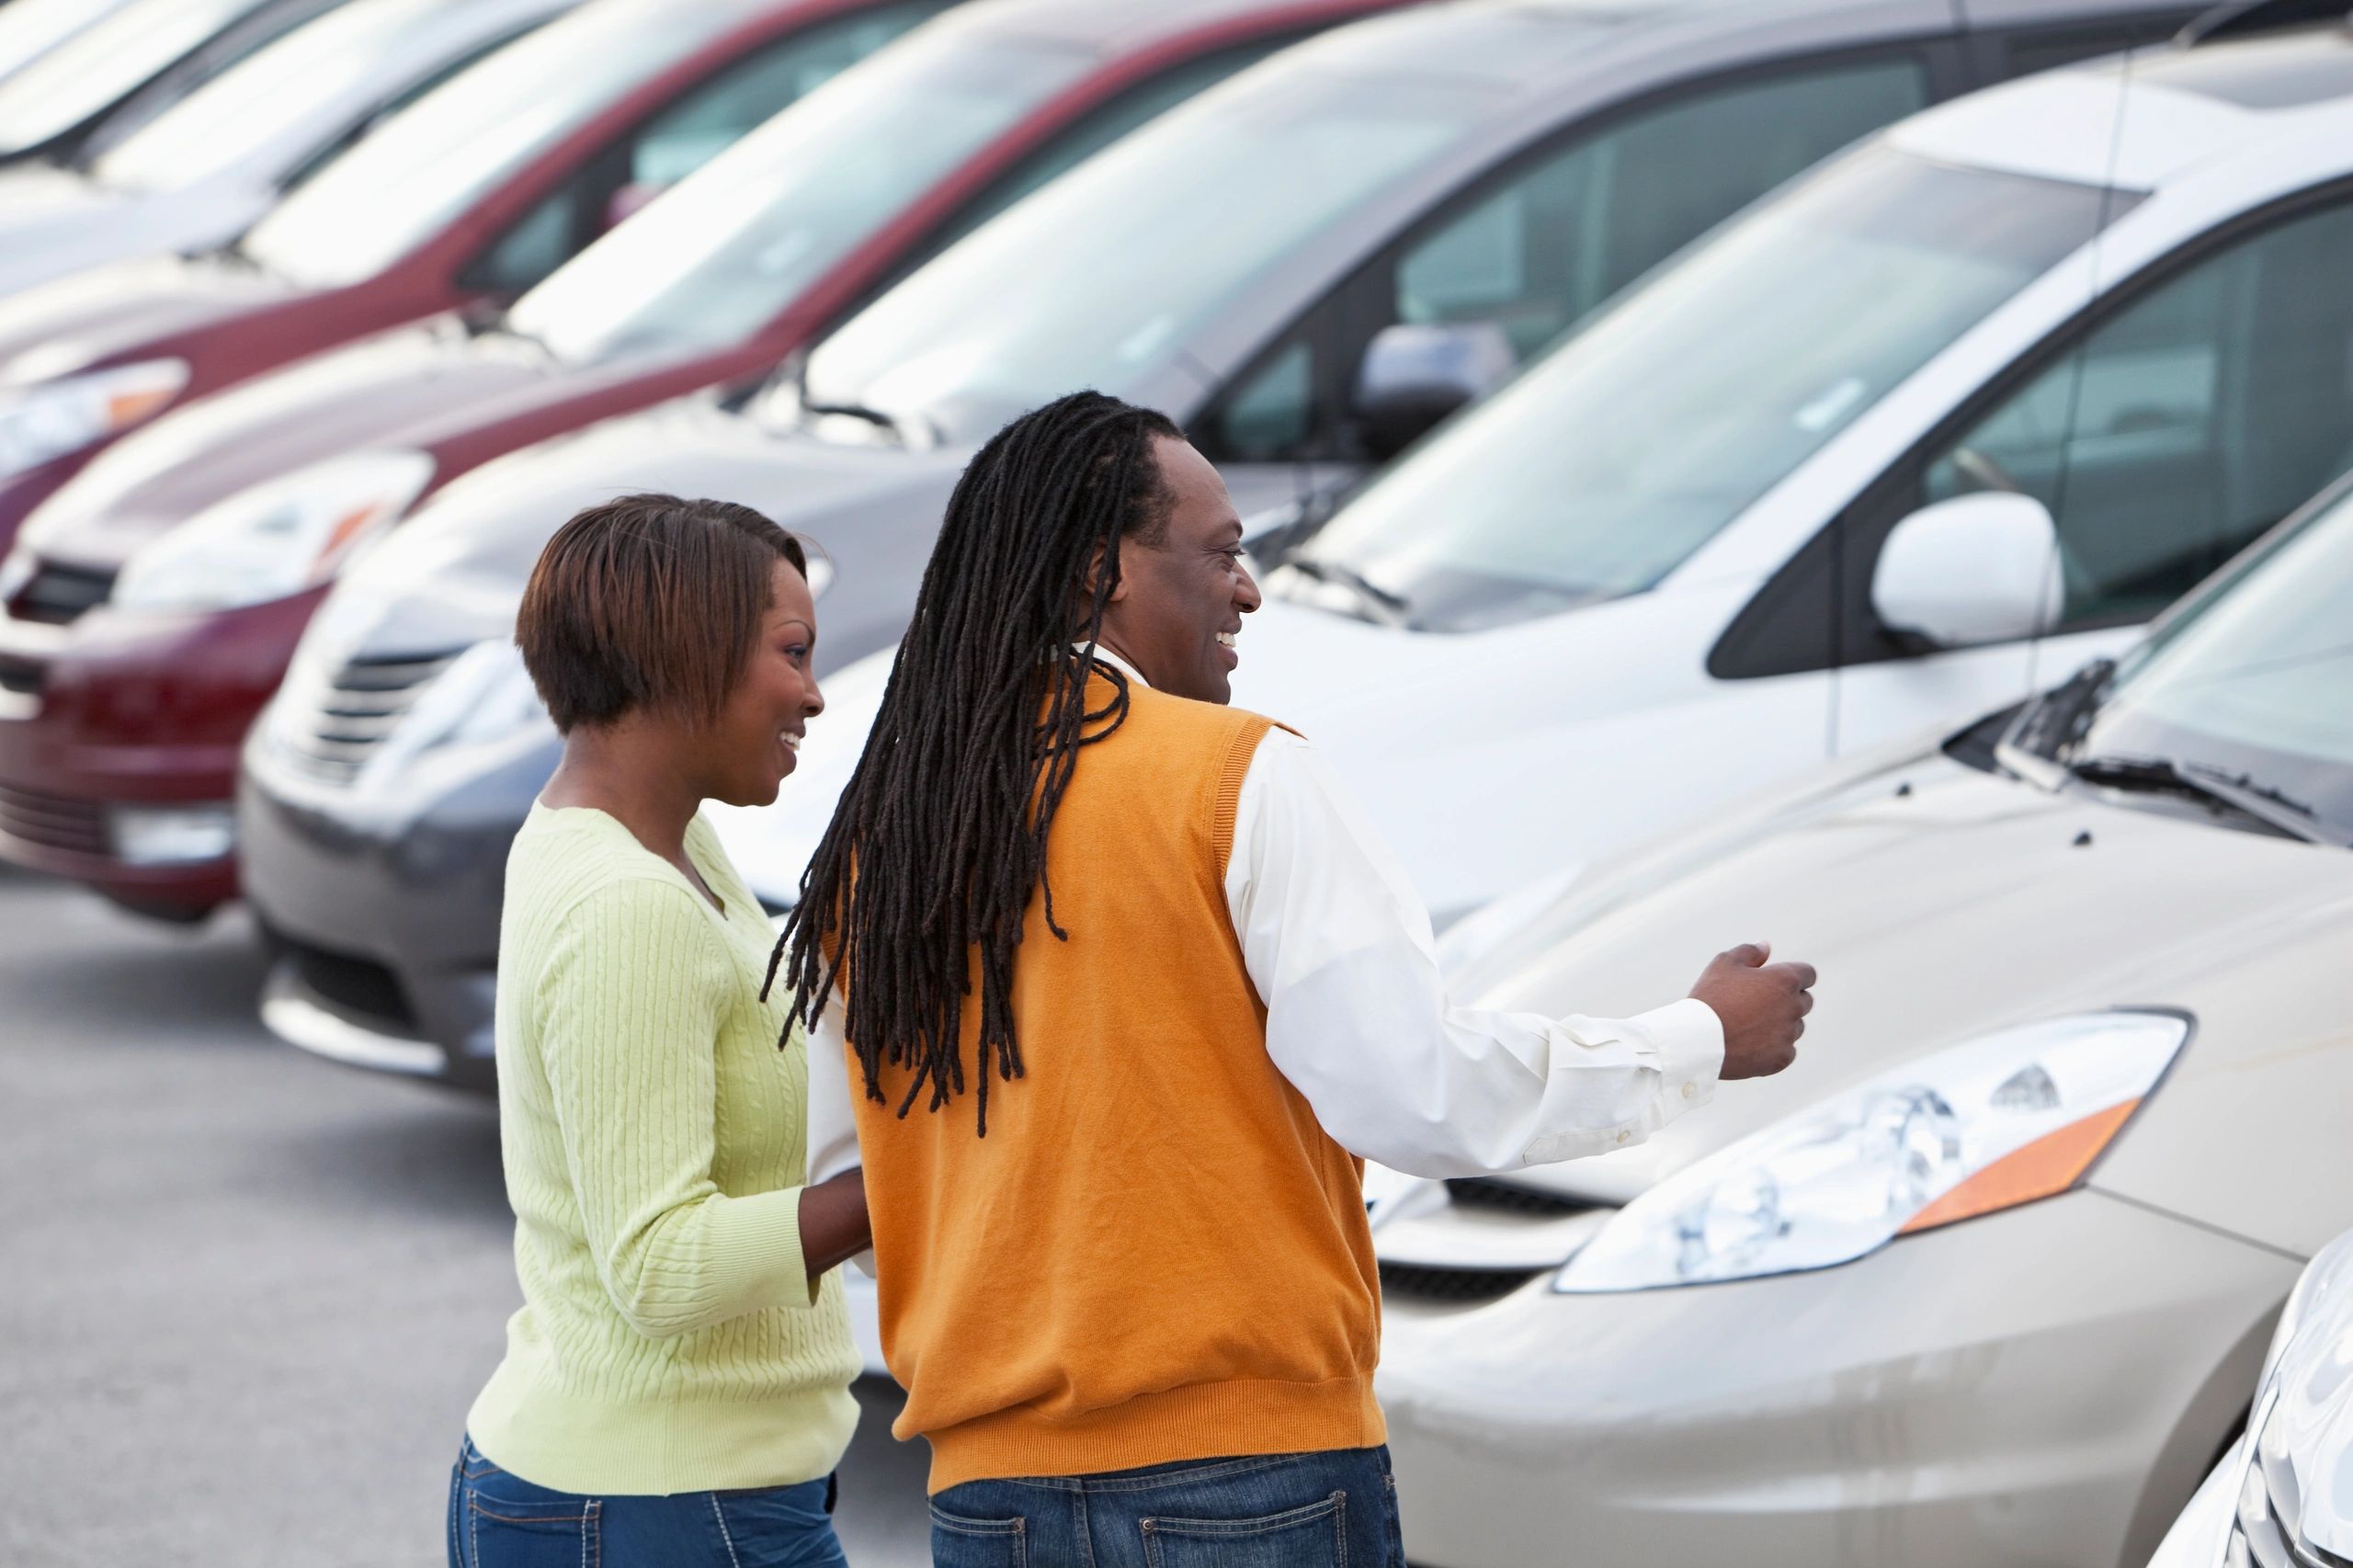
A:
[(1987, 1277)]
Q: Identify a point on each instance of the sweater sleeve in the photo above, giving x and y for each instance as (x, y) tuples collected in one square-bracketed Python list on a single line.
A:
[(631, 1001)]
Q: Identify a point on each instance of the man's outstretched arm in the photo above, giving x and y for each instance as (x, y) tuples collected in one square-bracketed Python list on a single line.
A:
[(1358, 1019)]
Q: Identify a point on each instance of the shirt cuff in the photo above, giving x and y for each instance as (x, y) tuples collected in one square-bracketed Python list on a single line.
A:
[(755, 1256), (1689, 1040)]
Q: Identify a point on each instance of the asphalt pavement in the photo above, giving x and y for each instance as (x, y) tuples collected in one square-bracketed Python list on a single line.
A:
[(246, 1296)]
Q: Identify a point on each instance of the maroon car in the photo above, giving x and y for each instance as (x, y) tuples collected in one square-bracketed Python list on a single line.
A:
[(463, 200), (153, 603)]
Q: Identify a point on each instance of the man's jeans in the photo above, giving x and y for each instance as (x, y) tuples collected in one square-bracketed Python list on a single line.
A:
[(1337, 1509)]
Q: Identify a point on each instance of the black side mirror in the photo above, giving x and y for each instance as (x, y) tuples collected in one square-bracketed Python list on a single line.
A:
[(1415, 376)]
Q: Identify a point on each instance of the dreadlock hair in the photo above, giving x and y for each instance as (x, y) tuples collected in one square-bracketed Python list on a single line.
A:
[(940, 838)]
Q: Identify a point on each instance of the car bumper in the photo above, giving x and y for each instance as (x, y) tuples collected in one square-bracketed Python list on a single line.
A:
[(2039, 1387), (112, 724), (385, 921)]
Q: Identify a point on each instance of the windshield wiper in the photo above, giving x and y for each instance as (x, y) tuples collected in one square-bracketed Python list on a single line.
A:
[(1391, 607), (2239, 793), (2047, 728), (875, 417)]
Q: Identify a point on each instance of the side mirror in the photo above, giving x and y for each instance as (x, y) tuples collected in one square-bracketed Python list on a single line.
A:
[(1975, 569), (1415, 376)]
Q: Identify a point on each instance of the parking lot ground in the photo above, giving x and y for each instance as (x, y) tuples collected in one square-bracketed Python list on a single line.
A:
[(245, 1296)]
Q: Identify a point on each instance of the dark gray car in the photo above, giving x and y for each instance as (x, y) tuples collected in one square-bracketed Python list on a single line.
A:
[(1306, 267)]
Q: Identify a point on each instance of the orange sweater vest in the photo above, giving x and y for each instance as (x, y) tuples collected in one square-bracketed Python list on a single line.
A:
[(1156, 1254)]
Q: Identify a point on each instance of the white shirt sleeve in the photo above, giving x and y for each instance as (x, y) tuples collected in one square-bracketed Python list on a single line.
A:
[(832, 1122), (1358, 1019)]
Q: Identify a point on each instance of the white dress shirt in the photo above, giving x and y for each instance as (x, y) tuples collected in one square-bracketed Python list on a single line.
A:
[(1358, 1019)]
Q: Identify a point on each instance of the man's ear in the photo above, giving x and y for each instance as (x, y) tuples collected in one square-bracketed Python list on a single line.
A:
[(1091, 580)]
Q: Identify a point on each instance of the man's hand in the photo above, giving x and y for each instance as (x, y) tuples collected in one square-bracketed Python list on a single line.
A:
[(1763, 1007), (834, 1227)]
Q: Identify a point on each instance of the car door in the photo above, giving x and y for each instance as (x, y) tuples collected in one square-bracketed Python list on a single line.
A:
[(2182, 416), (1541, 239), (667, 145)]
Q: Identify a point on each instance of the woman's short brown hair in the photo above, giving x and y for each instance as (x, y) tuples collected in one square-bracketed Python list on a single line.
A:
[(649, 602)]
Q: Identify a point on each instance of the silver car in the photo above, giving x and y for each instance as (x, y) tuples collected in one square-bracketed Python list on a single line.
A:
[(199, 174), (1305, 266), (1986, 1277)]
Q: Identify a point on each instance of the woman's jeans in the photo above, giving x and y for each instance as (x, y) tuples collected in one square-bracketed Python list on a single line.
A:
[(1337, 1509), (498, 1520)]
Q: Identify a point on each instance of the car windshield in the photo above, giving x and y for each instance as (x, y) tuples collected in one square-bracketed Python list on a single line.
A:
[(1101, 277), (1630, 445), (244, 109), (30, 28), (742, 238), (2247, 685), (105, 62), (410, 177)]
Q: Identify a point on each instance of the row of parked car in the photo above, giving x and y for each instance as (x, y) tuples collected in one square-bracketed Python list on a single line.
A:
[(1866, 376)]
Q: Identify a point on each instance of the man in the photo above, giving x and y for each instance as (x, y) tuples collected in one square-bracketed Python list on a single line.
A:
[(1129, 992)]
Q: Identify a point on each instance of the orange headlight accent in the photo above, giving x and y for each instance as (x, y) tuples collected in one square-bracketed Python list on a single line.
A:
[(2051, 1163), (125, 409)]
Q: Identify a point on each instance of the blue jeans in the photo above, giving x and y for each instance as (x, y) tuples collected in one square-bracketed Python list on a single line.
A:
[(1337, 1509), (499, 1520)]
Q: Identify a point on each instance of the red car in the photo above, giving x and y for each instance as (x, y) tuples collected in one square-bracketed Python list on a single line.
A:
[(463, 200), (153, 605)]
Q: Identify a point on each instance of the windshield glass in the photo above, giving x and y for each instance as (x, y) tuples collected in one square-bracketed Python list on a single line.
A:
[(738, 241), (30, 28), (242, 110), (2251, 685), (82, 77), (1630, 446), (426, 164), (1100, 278)]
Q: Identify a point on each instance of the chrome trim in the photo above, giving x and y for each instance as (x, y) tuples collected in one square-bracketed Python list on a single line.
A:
[(288, 1011)]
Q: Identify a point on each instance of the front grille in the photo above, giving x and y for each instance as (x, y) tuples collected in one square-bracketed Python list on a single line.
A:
[(1503, 1197), (1452, 1286), (359, 986), (330, 724), (58, 594), (52, 822)]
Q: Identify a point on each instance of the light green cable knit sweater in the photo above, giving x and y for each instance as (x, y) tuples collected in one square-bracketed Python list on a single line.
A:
[(655, 1140)]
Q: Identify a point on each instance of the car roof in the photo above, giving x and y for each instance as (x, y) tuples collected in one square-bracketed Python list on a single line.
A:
[(2143, 121), (1122, 29)]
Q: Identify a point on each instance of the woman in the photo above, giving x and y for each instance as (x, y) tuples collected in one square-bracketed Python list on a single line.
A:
[(676, 1389)]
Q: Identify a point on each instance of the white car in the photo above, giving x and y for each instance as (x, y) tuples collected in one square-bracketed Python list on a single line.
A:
[(2282, 1497), (32, 29), (1984, 1280), (199, 174), (1794, 494)]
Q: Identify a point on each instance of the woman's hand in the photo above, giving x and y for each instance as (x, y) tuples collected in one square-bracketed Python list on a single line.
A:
[(833, 1227)]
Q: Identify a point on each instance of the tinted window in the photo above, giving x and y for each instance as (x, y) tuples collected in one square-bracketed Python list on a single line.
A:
[(2186, 424), (1564, 232)]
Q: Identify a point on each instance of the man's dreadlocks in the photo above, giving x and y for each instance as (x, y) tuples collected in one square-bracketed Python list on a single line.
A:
[(940, 838)]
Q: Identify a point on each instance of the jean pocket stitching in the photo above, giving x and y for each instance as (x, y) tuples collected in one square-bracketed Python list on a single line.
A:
[(1334, 1506), (959, 1525), (581, 1513)]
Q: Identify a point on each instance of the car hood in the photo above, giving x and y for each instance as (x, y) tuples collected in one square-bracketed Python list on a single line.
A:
[(453, 574), (117, 313), (1940, 903), (356, 397), (53, 225)]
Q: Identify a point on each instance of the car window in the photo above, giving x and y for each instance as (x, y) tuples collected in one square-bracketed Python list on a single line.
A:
[(2184, 426), (1566, 231), (1270, 413), (744, 237), (676, 141), (1634, 441)]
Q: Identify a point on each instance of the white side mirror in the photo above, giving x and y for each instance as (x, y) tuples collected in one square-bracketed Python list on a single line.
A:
[(1975, 569)]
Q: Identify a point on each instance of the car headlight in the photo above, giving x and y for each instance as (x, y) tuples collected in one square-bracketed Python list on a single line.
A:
[(2294, 1501), (276, 538), (52, 419), (1983, 1126)]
